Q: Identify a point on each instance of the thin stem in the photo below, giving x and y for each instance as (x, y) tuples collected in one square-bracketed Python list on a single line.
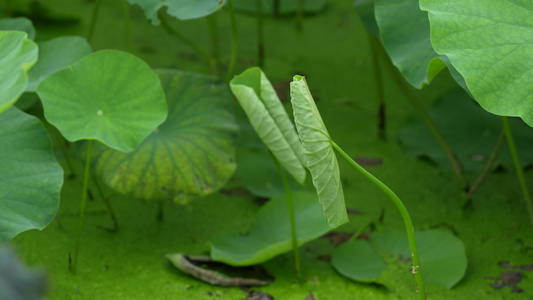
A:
[(213, 31), (359, 231), (85, 187), (275, 8), (127, 21), (9, 12), (411, 97), (109, 208), (518, 167), (379, 86), (290, 204), (260, 34), (487, 169), (233, 59), (199, 49), (96, 9), (60, 141), (416, 268), (300, 15)]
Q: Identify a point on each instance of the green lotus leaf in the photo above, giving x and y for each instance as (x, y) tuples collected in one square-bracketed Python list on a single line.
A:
[(260, 176), (357, 260), (320, 157), (191, 153), (270, 235), (490, 44), (30, 177), (442, 257), (110, 96), (404, 31), (470, 131), (285, 7), (181, 9), (269, 119), (55, 55), (17, 55), (19, 24)]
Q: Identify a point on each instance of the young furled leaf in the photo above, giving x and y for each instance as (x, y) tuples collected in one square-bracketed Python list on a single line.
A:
[(321, 159), (269, 119)]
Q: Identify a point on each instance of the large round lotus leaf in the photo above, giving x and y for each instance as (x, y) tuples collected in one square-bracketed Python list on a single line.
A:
[(181, 9), (285, 7), (491, 44), (191, 153), (319, 154), (30, 177), (270, 235), (110, 96), (404, 31), (19, 24), (442, 258), (17, 56), (55, 55), (471, 132)]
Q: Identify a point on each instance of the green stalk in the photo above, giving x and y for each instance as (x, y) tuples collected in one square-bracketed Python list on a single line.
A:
[(410, 96), (300, 15), (213, 31), (96, 9), (127, 21), (109, 208), (518, 167), (416, 268), (359, 231), (379, 86), (83, 202), (233, 60), (9, 12), (260, 35), (191, 43), (275, 8), (290, 204), (486, 170)]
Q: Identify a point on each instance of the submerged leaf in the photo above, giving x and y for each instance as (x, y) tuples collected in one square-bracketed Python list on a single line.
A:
[(358, 260), (270, 235), (181, 9), (17, 55), (321, 159), (216, 273), (55, 55), (110, 96), (30, 177), (269, 119), (490, 44), (191, 153), (442, 257)]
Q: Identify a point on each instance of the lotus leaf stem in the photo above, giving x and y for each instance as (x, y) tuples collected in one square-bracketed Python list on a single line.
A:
[(416, 268), (518, 167), (84, 190), (233, 59), (290, 203)]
